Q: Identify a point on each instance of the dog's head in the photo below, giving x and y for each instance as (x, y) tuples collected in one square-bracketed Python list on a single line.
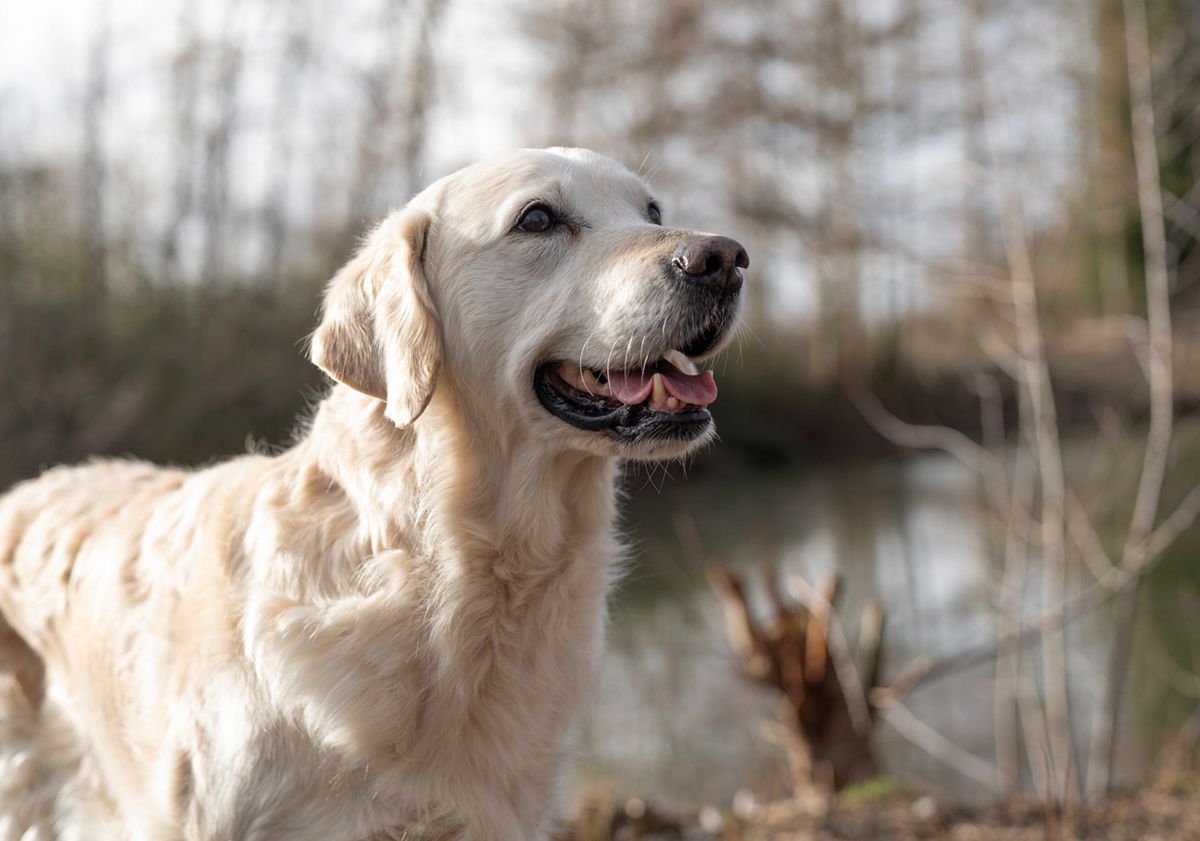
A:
[(544, 290)]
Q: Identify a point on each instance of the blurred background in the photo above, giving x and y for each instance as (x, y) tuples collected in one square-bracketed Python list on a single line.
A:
[(967, 384)]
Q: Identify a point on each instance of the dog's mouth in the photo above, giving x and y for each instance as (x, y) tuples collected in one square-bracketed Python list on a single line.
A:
[(664, 399)]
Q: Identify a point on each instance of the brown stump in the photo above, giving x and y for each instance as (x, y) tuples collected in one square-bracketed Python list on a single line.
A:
[(825, 719)]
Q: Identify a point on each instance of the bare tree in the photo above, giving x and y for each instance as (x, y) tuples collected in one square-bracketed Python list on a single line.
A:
[(94, 171), (219, 140), (184, 92), (290, 82)]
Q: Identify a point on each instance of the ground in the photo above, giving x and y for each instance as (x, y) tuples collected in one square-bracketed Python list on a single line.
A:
[(1168, 810)]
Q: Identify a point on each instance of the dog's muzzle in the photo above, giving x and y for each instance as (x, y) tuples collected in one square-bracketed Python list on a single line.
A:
[(669, 397)]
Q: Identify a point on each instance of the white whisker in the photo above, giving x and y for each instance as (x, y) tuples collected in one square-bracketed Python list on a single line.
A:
[(642, 166), (582, 351)]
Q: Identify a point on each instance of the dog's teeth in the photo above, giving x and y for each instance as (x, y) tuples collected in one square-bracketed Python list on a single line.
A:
[(597, 385), (589, 380), (672, 403), (574, 376), (658, 392), (681, 362)]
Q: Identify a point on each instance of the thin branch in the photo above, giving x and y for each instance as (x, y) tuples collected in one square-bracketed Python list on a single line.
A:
[(1048, 449), (1176, 523), (924, 670), (1001, 353), (1158, 307), (914, 436), (1017, 539), (1160, 375), (938, 746), (1086, 540), (987, 465), (1182, 215)]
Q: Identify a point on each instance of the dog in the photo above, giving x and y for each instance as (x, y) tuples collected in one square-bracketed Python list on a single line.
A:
[(385, 631)]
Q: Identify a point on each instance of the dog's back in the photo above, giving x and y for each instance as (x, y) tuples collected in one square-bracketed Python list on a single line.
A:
[(45, 770), (71, 543), (51, 523)]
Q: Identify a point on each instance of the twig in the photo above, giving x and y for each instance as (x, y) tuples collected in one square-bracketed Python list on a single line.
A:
[(1048, 449), (1006, 701), (924, 670), (1182, 214), (1176, 523), (913, 436), (977, 458), (1033, 728), (1086, 540), (938, 746)]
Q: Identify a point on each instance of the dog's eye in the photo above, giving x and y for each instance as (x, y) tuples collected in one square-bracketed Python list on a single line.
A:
[(536, 219), (654, 214)]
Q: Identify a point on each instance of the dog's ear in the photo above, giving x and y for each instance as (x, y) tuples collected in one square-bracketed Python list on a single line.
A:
[(379, 330)]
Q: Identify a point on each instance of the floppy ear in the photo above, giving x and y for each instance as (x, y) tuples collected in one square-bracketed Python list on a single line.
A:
[(379, 331)]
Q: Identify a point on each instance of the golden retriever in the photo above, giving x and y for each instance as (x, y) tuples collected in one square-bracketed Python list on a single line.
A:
[(386, 630)]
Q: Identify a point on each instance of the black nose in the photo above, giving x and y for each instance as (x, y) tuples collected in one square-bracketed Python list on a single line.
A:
[(712, 261)]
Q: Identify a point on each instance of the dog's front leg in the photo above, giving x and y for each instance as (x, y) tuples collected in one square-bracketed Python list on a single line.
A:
[(353, 669)]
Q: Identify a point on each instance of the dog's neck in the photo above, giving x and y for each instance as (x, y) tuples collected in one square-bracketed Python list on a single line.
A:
[(467, 488)]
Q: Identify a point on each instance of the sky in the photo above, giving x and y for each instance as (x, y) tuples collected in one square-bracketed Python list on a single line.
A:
[(44, 50)]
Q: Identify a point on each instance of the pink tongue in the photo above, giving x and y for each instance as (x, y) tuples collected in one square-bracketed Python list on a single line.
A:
[(633, 387)]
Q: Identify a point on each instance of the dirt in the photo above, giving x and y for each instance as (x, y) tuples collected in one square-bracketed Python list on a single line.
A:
[(1169, 810)]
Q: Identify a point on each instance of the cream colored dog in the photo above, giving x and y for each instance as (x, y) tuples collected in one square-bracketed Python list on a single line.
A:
[(386, 630)]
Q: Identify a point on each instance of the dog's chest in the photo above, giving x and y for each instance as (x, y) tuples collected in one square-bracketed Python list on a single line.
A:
[(508, 661), (473, 694)]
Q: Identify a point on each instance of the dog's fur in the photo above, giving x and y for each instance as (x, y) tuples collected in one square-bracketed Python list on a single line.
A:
[(386, 630)]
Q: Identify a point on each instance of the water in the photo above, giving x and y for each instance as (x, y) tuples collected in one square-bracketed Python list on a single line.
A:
[(671, 716)]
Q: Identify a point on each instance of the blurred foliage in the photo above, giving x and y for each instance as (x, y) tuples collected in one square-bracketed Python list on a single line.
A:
[(177, 373)]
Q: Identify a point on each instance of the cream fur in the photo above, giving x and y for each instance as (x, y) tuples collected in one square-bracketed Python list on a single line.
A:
[(386, 630)]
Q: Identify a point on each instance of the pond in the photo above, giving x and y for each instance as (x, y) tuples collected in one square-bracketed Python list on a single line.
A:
[(671, 716)]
